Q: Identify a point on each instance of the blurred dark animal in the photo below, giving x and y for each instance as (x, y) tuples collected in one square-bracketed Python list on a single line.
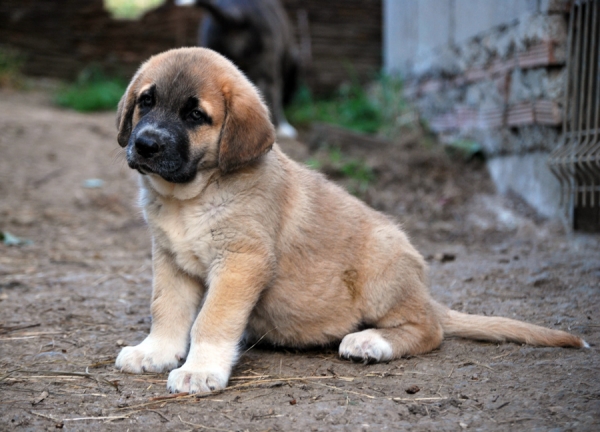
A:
[(257, 36)]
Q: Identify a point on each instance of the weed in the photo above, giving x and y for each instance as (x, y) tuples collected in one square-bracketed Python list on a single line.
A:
[(350, 108), (10, 68), (381, 108), (386, 95), (92, 91), (357, 173)]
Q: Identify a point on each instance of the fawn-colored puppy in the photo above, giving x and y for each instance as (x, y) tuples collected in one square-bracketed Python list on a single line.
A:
[(247, 242)]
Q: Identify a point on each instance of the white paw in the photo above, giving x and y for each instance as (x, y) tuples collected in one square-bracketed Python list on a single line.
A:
[(197, 380), (151, 355), (185, 2), (286, 130), (366, 346)]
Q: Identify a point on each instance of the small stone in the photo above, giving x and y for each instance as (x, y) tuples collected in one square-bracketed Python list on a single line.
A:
[(413, 389), (444, 257)]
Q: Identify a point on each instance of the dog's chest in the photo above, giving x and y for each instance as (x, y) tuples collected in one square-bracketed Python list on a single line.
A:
[(192, 232)]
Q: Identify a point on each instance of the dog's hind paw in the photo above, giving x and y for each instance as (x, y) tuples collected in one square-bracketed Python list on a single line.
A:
[(366, 346), (196, 380)]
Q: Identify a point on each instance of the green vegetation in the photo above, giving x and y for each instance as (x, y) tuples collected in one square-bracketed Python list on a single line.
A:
[(397, 115), (350, 108), (10, 68), (130, 9), (357, 173), (380, 108), (93, 91)]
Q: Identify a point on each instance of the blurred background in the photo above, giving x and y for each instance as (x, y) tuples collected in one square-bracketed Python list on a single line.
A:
[(484, 79)]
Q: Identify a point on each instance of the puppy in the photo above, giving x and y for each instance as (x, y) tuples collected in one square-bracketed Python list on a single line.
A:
[(247, 242), (257, 36)]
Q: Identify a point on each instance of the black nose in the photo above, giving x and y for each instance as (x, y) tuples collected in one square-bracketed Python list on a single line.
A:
[(147, 146)]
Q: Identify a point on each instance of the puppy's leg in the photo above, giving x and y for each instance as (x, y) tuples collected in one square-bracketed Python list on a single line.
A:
[(236, 284), (409, 328), (175, 301)]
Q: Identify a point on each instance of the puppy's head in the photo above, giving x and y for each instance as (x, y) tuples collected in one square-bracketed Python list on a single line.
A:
[(191, 109)]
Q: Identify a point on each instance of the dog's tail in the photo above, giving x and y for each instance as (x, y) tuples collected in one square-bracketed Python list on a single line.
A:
[(496, 329)]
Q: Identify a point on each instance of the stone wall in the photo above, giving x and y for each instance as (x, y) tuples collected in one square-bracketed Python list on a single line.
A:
[(58, 38), (491, 72)]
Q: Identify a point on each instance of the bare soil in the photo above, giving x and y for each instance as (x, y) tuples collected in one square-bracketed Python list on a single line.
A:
[(81, 290)]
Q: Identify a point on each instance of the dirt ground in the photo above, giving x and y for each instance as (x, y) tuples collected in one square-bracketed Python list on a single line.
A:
[(70, 299)]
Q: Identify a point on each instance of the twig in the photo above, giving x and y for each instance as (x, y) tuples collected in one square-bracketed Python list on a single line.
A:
[(171, 396), (347, 391), (75, 374), (9, 373), (17, 338), (475, 362), (517, 420), (30, 335), (258, 341), (199, 425), (46, 416), (158, 413), (506, 354), (258, 417), (102, 363), (397, 399), (4, 330)]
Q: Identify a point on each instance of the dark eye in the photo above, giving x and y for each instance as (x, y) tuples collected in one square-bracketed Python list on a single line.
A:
[(145, 101), (196, 115)]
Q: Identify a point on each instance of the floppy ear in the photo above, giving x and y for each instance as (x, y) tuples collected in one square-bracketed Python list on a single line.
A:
[(125, 113), (247, 131)]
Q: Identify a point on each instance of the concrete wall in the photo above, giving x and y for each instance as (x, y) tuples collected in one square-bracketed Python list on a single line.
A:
[(415, 28), (488, 71)]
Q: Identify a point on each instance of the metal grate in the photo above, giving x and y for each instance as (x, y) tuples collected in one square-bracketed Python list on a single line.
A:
[(576, 162)]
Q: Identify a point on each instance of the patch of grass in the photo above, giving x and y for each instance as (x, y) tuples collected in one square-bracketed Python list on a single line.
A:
[(397, 114), (93, 91), (377, 108), (10, 68), (350, 108), (357, 173)]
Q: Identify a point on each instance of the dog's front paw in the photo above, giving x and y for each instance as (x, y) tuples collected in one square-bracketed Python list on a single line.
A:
[(366, 346), (150, 356), (197, 380)]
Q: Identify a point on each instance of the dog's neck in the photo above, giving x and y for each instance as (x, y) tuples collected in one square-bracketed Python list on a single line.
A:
[(179, 191)]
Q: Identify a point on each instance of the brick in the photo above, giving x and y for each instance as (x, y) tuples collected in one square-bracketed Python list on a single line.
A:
[(466, 118), (540, 54), (491, 118), (502, 66), (547, 112), (520, 114), (475, 74)]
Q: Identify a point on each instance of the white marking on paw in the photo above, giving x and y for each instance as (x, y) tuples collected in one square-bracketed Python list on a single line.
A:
[(152, 355), (368, 345), (286, 130), (197, 380), (207, 368)]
